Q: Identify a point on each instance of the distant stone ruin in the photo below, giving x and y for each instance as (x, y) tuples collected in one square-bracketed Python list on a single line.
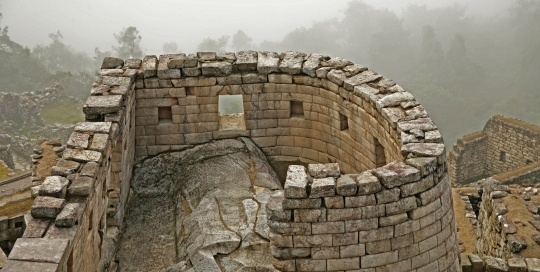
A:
[(507, 149), (375, 195)]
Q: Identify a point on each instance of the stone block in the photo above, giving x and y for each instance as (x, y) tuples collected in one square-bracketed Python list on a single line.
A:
[(310, 265), (343, 264), (321, 240), (417, 187), (360, 79), (290, 228), (373, 211), (516, 243), (267, 62), (466, 265), (290, 253), (218, 69), (356, 250), (361, 225), (82, 155), (99, 142), (103, 104), (346, 186), (64, 168), (401, 206), (425, 210), (54, 186), (47, 207), (515, 265), (378, 247), (323, 253), (328, 227), (393, 219), (36, 227), (112, 63), (367, 183), (533, 264), (176, 61), (396, 174), (495, 264), (435, 192), (344, 214), (311, 65), (307, 203), (246, 61), (81, 186), (335, 202), (388, 196), (282, 240), (379, 234), (89, 169), (292, 62), (78, 140), (296, 182), (324, 170), (323, 187), (423, 150), (380, 259), (69, 215), (27, 266), (284, 265), (309, 215), (280, 78), (360, 201), (149, 66), (343, 239), (206, 56)]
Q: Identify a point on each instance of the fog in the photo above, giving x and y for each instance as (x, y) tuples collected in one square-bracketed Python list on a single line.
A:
[(463, 60)]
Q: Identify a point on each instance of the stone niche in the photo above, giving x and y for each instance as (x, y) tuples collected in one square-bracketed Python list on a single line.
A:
[(379, 198)]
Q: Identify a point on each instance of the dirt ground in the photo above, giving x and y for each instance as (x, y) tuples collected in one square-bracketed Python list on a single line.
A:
[(465, 229), (517, 213)]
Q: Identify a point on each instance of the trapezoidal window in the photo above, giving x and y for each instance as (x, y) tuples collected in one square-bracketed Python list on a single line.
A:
[(502, 156), (343, 123), (164, 114), (297, 109), (231, 112), (380, 159)]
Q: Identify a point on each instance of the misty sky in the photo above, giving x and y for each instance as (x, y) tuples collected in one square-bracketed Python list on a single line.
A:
[(89, 24)]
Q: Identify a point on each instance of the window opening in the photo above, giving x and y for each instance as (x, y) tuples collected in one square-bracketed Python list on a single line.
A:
[(231, 112), (297, 109), (380, 159), (502, 156), (343, 122), (164, 114)]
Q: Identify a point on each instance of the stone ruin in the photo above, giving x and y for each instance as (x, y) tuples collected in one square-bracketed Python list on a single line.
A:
[(375, 195)]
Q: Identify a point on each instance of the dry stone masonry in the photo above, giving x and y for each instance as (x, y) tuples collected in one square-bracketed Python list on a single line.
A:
[(507, 148), (375, 195)]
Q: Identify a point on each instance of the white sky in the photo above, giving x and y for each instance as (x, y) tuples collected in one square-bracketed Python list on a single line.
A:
[(90, 24)]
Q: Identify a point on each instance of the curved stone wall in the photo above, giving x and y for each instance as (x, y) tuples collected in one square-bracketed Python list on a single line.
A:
[(396, 213)]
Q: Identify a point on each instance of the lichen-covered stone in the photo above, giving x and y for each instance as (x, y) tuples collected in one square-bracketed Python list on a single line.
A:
[(54, 186), (292, 62), (47, 207), (102, 104), (396, 174), (296, 182), (324, 170)]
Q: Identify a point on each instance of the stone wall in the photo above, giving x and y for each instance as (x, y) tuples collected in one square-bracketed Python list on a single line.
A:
[(504, 145), (528, 175), (512, 144), (467, 159), (297, 107), (475, 263), (71, 220)]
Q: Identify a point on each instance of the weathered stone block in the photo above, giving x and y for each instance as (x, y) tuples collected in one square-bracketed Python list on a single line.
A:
[(360, 201), (321, 240), (290, 253), (323, 187), (311, 65), (396, 174), (54, 186), (99, 142), (307, 203), (403, 205), (81, 186), (417, 187), (346, 186), (380, 259), (533, 264), (69, 215), (296, 182), (335, 202), (290, 228), (310, 265), (423, 149), (495, 264), (393, 219), (103, 104), (64, 168), (360, 79), (323, 253), (361, 225), (367, 183), (324, 170), (267, 62), (246, 61), (216, 69), (292, 62), (47, 207), (516, 265), (328, 227), (387, 196), (78, 140), (356, 250), (112, 63), (82, 155)]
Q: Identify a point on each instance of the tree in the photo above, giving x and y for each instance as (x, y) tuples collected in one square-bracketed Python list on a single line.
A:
[(212, 45), (58, 56), (241, 41), (170, 48), (128, 43), (4, 31)]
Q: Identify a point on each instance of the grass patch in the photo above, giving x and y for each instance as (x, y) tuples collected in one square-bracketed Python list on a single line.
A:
[(63, 112), (4, 170), (17, 208)]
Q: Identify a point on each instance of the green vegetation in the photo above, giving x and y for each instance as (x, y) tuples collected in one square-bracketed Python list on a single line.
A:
[(4, 170), (64, 112)]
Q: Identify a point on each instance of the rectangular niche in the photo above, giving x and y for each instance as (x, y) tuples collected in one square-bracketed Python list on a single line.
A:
[(343, 123), (297, 109), (380, 158), (502, 156), (164, 114), (231, 112)]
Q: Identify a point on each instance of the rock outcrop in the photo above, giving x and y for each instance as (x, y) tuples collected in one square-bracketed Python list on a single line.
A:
[(201, 209)]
